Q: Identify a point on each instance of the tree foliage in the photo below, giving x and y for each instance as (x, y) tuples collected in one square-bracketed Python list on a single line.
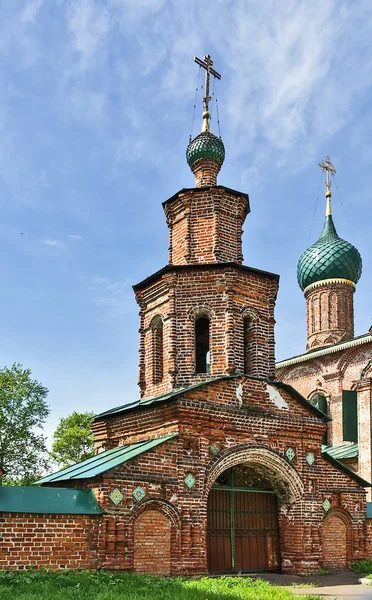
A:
[(73, 439), (23, 411)]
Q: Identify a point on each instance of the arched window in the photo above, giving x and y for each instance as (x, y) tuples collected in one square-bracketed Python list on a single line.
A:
[(248, 344), (202, 345), (157, 349), (320, 401)]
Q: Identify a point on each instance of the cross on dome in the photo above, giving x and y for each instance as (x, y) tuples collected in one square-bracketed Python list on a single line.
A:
[(207, 65)]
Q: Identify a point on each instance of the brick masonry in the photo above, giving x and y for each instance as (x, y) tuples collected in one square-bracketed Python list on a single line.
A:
[(52, 541), (330, 313), (329, 374), (239, 419)]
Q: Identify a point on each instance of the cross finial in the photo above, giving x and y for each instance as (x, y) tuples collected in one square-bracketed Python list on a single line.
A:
[(328, 167), (207, 65)]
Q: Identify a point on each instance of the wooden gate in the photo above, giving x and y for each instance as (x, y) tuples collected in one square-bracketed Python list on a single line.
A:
[(243, 530)]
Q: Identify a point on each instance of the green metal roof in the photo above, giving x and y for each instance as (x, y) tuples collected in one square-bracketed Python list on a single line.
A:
[(369, 510), (104, 461), (343, 451), (346, 470), (205, 145), (329, 258), (48, 500), (142, 403)]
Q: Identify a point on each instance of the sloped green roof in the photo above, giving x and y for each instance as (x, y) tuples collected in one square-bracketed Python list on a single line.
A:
[(329, 258), (142, 403), (48, 500), (104, 461), (205, 145), (346, 470), (342, 451)]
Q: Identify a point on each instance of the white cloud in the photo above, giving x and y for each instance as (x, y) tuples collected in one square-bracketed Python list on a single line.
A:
[(117, 296), (55, 243), (31, 11), (75, 237)]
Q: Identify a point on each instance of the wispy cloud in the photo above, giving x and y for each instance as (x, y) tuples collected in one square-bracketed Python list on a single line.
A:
[(117, 296), (78, 238), (54, 243)]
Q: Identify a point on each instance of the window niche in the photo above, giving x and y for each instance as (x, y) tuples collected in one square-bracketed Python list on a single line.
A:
[(157, 349), (320, 401), (249, 343), (202, 349)]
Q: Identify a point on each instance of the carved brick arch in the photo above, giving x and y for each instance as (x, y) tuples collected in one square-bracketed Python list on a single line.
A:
[(201, 310), (301, 370), (358, 353), (288, 483), (154, 534), (250, 313), (336, 539)]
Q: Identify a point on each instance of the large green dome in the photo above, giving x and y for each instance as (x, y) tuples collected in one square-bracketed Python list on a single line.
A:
[(329, 258), (206, 145)]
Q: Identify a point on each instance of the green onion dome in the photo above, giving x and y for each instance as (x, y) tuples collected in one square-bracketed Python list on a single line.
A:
[(329, 258), (206, 145)]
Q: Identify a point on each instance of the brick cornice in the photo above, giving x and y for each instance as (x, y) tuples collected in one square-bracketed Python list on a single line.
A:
[(201, 267)]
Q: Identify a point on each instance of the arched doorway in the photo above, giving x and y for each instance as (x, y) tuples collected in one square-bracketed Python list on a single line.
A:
[(243, 526)]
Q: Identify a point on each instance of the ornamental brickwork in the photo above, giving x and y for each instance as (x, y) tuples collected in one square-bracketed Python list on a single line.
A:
[(330, 313), (329, 372)]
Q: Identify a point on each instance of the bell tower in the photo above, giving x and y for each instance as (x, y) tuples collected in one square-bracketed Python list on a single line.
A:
[(205, 314)]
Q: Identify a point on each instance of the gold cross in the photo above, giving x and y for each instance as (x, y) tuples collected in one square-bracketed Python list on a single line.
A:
[(326, 165), (207, 65)]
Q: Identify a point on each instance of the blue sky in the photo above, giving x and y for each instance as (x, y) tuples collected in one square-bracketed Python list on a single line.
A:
[(96, 102)]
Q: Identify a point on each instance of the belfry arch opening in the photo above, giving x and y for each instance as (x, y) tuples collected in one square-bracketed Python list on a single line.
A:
[(243, 520), (202, 344)]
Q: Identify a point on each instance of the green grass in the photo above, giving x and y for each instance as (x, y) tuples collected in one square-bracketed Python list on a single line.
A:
[(363, 567), (67, 585)]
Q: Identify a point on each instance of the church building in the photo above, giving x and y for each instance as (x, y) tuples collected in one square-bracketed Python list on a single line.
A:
[(218, 467), (335, 373)]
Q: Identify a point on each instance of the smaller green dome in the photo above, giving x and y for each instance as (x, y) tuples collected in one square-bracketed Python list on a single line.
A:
[(329, 258), (206, 145)]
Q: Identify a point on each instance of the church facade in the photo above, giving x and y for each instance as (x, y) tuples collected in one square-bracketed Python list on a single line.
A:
[(335, 373), (218, 467)]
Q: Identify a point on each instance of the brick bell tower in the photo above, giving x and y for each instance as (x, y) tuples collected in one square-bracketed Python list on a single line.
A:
[(205, 314), (327, 273)]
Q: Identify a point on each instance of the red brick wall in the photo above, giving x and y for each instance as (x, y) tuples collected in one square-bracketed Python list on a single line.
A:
[(226, 295), (330, 313), (56, 541), (257, 433), (205, 226), (152, 544), (335, 542), (329, 375), (206, 172)]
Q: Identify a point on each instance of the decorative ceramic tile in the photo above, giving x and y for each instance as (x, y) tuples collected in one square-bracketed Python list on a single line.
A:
[(139, 493), (290, 453), (310, 458), (326, 505), (214, 449), (116, 496), (190, 480)]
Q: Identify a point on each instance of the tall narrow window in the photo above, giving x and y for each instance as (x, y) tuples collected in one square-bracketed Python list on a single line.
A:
[(248, 344), (202, 345), (349, 416), (320, 401), (157, 349)]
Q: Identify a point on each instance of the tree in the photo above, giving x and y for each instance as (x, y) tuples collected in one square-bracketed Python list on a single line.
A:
[(73, 439), (23, 411)]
